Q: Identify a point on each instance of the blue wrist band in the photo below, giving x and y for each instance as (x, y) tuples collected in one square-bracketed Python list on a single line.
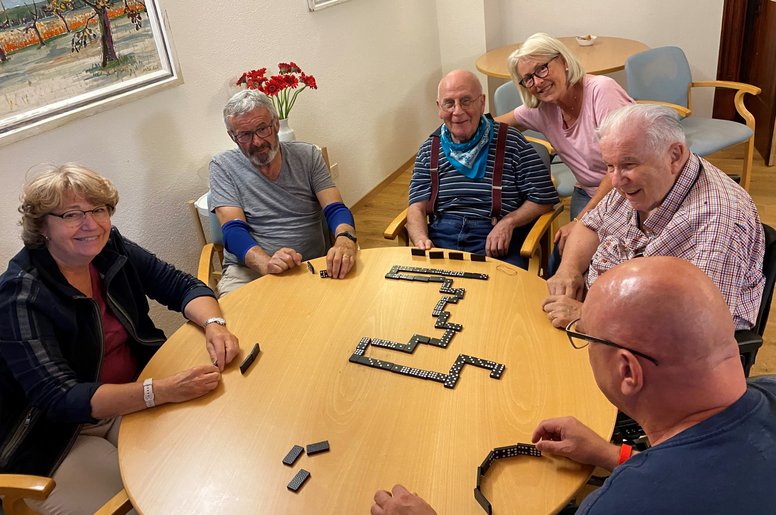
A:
[(337, 213), (237, 238)]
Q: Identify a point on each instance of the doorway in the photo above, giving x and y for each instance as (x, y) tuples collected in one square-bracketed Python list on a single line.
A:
[(747, 53)]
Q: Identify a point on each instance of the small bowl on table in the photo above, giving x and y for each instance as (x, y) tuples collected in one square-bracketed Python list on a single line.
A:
[(586, 40)]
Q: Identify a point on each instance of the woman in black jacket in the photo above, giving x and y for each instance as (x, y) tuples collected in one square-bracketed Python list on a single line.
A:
[(75, 334)]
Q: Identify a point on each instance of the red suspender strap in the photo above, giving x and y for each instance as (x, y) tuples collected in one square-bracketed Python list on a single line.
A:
[(434, 172), (501, 145)]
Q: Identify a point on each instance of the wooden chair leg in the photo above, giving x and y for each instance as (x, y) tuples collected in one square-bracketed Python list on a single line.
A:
[(746, 173)]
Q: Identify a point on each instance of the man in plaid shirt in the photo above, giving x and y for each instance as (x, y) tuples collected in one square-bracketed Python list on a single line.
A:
[(666, 202)]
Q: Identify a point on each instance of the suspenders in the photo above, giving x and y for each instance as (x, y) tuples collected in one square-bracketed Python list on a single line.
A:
[(495, 209)]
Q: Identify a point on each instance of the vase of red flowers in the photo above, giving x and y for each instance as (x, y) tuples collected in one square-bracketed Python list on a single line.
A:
[(282, 89)]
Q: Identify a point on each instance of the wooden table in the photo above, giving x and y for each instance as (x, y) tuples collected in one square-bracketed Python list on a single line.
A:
[(222, 453), (606, 55)]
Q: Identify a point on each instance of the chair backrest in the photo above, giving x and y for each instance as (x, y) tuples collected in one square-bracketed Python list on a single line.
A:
[(506, 98), (769, 271), (215, 227), (661, 74)]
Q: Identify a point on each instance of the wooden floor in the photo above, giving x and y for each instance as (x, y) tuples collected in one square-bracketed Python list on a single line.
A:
[(378, 208)]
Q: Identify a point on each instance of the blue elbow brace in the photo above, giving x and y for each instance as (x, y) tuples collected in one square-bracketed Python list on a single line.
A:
[(237, 238), (337, 213)]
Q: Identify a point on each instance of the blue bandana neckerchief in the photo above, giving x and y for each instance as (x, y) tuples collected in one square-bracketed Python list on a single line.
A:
[(468, 158)]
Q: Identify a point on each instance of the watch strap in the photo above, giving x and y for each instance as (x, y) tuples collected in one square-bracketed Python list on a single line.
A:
[(214, 320), (148, 393)]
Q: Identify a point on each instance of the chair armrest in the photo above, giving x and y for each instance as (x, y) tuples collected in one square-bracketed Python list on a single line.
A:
[(206, 260), (539, 229), (681, 110), (118, 505), (543, 142), (25, 485), (397, 228), (729, 84), (749, 343), (538, 243), (738, 100), (15, 488)]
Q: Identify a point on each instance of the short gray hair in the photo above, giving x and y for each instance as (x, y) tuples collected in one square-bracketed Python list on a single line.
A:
[(45, 190), (544, 46), (659, 124), (245, 101)]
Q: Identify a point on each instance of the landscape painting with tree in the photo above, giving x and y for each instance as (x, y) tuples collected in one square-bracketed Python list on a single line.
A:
[(60, 57)]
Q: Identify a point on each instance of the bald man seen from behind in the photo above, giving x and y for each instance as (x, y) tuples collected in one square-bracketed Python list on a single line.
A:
[(661, 344)]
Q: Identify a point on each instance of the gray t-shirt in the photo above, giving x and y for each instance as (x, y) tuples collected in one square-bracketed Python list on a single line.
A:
[(284, 213)]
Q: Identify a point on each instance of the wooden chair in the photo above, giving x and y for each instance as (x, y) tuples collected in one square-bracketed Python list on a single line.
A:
[(212, 254), (537, 246), (15, 488), (662, 75)]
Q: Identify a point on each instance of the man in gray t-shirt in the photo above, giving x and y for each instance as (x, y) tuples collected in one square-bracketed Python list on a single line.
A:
[(270, 197)]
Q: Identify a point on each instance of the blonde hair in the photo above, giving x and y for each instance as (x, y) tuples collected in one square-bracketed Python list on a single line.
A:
[(543, 46), (45, 192)]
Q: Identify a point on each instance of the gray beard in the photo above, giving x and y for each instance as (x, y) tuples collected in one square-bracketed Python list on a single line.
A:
[(257, 162)]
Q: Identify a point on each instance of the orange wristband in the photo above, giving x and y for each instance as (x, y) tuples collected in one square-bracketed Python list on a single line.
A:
[(625, 452)]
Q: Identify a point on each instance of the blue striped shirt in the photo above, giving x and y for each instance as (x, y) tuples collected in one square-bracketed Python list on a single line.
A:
[(524, 177)]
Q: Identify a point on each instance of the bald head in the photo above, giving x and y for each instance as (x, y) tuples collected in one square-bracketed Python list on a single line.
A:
[(459, 79), (663, 306), (461, 104)]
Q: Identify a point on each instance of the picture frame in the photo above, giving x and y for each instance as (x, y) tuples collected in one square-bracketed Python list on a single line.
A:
[(316, 5), (85, 57)]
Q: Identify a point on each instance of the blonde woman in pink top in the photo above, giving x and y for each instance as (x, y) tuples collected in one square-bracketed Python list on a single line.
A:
[(566, 105)]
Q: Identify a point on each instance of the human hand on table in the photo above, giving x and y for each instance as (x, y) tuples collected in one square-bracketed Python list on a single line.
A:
[(568, 437), (186, 385), (399, 501), (341, 258), (567, 282), (282, 260), (561, 310), (221, 344)]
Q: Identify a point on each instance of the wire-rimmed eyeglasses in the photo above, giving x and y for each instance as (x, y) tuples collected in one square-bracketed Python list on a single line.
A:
[(541, 71), (587, 339), (448, 104), (245, 137), (75, 217)]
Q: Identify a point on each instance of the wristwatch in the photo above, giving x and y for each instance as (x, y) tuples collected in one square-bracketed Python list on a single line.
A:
[(214, 320), (148, 393), (349, 235)]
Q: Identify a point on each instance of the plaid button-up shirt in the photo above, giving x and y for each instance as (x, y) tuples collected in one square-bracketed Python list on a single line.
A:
[(707, 219)]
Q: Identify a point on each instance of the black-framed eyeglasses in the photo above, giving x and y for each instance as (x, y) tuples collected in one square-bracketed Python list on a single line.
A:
[(448, 104), (245, 137), (586, 339), (540, 71), (76, 217)]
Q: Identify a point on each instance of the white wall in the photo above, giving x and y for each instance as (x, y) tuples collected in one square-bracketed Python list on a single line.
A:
[(377, 64), (693, 25)]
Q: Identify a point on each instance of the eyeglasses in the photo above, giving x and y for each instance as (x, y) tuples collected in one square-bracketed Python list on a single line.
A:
[(541, 71), (587, 339), (448, 105), (247, 136), (76, 217)]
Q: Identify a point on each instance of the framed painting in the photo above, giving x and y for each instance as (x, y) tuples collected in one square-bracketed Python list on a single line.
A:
[(61, 59)]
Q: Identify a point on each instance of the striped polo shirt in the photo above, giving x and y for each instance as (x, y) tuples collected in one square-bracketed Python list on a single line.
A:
[(524, 177)]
